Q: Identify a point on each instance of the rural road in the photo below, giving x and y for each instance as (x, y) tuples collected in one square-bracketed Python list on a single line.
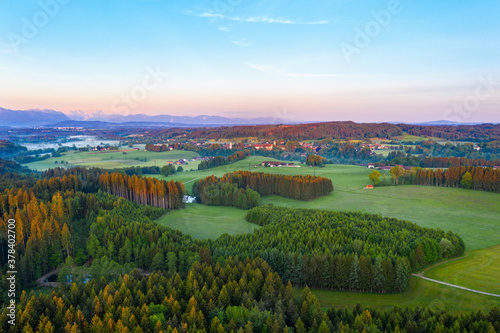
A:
[(455, 286)]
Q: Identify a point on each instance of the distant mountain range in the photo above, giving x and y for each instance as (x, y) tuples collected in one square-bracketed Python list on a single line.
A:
[(98, 119), (29, 118), (52, 118), (447, 123)]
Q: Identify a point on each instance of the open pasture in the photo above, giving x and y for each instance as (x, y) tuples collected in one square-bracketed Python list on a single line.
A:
[(119, 159), (474, 215), (479, 270), (420, 293), (207, 222)]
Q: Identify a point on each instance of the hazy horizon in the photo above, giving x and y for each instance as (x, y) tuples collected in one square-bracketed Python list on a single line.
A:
[(365, 61)]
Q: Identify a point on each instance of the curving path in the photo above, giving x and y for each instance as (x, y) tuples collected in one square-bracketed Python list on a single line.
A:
[(455, 286)]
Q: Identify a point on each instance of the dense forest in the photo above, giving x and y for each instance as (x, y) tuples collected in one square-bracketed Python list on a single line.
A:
[(298, 187), (53, 226), (344, 251), (231, 296), (8, 148), (476, 178), (337, 130)]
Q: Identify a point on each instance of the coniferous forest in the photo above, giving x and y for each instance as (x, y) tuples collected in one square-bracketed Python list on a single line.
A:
[(120, 271), (343, 251), (219, 160)]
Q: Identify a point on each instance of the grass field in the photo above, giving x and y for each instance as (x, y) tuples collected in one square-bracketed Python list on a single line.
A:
[(113, 160), (420, 293), (480, 270), (474, 215), (409, 137), (203, 222)]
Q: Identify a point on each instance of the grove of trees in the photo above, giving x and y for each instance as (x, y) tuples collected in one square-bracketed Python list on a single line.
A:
[(476, 178), (297, 187), (144, 191), (219, 160)]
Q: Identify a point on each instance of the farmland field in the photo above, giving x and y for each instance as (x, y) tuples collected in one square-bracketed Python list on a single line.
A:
[(474, 215), (204, 222), (113, 160), (420, 293), (480, 270)]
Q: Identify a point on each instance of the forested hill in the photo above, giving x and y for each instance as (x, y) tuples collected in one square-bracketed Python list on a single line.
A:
[(343, 130)]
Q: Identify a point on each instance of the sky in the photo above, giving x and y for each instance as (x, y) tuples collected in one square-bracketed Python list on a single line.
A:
[(360, 60)]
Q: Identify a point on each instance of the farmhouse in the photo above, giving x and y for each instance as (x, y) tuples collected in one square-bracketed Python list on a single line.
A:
[(266, 146), (371, 166), (277, 164)]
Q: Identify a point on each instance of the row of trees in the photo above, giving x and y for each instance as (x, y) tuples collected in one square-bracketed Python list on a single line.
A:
[(446, 162), (476, 178), (219, 160), (157, 148), (144, 191), (345, 251), (337, 130)]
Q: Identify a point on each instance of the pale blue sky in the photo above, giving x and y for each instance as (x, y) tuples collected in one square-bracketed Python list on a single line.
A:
[(426, 60)]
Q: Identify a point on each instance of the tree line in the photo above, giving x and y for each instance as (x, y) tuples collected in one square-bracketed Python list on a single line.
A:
[(219, 160), (337, 130), (476, 178), (144, 191), (446, 162)]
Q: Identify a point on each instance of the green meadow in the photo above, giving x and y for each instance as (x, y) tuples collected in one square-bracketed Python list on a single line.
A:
[(474, 215), (420, 293), (204, 222), (116, 160), (479, 270)]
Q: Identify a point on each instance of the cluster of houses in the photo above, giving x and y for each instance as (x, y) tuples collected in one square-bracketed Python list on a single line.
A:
[(375, 146), (272, 164), (387, 167), (182, 161)]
